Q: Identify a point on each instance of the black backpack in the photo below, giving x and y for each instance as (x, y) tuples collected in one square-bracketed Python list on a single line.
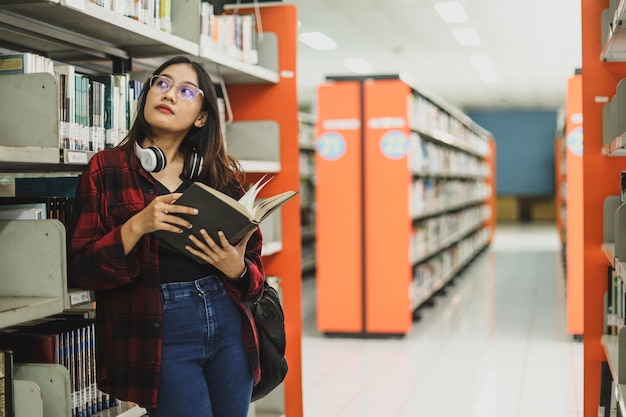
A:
[(270, 323)]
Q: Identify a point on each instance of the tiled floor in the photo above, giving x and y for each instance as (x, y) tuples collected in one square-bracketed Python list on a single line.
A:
[(495, 345)]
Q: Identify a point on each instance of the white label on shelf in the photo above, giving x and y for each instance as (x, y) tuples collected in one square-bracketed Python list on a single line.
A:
[(77, 158), (341, 124), (610, 319), (80, 297), (386, 123), (287, 74), (602, 99), (77, 4)]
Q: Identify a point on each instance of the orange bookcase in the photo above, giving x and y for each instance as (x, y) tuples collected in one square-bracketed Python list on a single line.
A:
[(574, 248), (368, 277), (278, 102), (600, 179)]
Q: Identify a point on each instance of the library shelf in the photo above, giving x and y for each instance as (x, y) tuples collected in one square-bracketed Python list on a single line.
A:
[(306, 142), (404, 192), (614, 354), (45, 292), (614, 32), (569, 183), (603, 63)]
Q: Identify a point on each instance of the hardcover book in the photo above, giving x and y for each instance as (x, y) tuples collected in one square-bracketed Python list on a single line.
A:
[(218, 211)]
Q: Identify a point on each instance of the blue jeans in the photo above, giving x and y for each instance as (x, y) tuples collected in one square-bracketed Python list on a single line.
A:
[(204, 369)]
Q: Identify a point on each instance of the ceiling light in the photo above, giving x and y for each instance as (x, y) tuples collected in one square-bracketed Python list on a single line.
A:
[(484, 65), (451, 12), (482, 62), (489, 77), (467, 36), (358, 65), (317, 40)]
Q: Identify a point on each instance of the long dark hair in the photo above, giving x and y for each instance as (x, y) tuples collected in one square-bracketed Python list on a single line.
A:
[(220, 169)]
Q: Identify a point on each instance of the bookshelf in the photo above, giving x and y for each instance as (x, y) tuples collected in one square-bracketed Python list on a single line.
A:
[(603, 67), (405, 200), (262, 134), (306, 140), (24, 300)]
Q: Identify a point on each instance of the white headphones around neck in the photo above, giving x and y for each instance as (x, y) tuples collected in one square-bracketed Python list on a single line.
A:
[(153, 160)]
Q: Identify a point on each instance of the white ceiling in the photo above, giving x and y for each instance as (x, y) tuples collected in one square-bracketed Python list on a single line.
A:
[(535, 46)]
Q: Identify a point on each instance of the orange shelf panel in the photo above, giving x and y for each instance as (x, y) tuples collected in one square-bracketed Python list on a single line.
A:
[(279, 102), (388, 225), (339, 209), (574, 202)]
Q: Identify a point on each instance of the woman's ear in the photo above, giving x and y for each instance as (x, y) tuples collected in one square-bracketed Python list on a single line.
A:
[(201, 120)]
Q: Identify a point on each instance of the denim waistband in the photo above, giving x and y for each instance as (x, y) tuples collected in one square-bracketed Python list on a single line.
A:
[(203, 285)]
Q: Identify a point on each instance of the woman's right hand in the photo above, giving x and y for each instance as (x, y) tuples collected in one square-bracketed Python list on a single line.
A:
[(158, 215)]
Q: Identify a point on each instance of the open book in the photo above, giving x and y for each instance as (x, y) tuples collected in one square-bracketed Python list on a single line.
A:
[(218, 211)]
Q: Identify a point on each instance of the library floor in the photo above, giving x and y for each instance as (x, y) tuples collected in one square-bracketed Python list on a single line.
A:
[(495, 344)]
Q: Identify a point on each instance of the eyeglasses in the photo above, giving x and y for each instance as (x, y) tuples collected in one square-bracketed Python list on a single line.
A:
[(185, 91)]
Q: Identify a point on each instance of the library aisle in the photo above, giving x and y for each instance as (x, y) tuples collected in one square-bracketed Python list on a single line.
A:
[(495, 344)]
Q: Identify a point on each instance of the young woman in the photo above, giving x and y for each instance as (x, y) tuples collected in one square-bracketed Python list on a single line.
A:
[(173, 335)]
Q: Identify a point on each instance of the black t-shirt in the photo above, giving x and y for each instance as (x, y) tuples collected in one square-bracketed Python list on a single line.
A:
[(176, 266)]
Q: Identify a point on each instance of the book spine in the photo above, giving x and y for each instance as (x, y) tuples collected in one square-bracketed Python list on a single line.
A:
[(7, 401)]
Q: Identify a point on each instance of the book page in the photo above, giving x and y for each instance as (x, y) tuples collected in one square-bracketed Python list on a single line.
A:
[(248, 199)]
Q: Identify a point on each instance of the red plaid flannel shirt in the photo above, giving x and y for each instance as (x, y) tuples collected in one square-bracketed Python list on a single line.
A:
[(128, 304)]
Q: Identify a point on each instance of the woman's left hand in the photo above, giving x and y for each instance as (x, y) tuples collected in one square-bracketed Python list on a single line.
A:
[(227, 258)]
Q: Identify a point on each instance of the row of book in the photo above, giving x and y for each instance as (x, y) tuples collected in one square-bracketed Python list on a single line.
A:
[(428, 195), (434, 234), (95, 111), (7, 398), (426, 116), (428, 157), (154, 13), (64, 340), (25, 63), (616, 303), (234, 35), (41, 198), (427, 276)]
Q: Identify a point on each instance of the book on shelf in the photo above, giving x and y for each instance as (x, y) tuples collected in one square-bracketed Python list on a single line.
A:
[(24, 63), (117, 107), (65, 341), (218, 211), (22, 213), (65, 84), (59, 208), (7, 399), (59, 186)]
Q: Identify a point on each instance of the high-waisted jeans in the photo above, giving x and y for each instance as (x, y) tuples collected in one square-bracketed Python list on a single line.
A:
[(204, 369)]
